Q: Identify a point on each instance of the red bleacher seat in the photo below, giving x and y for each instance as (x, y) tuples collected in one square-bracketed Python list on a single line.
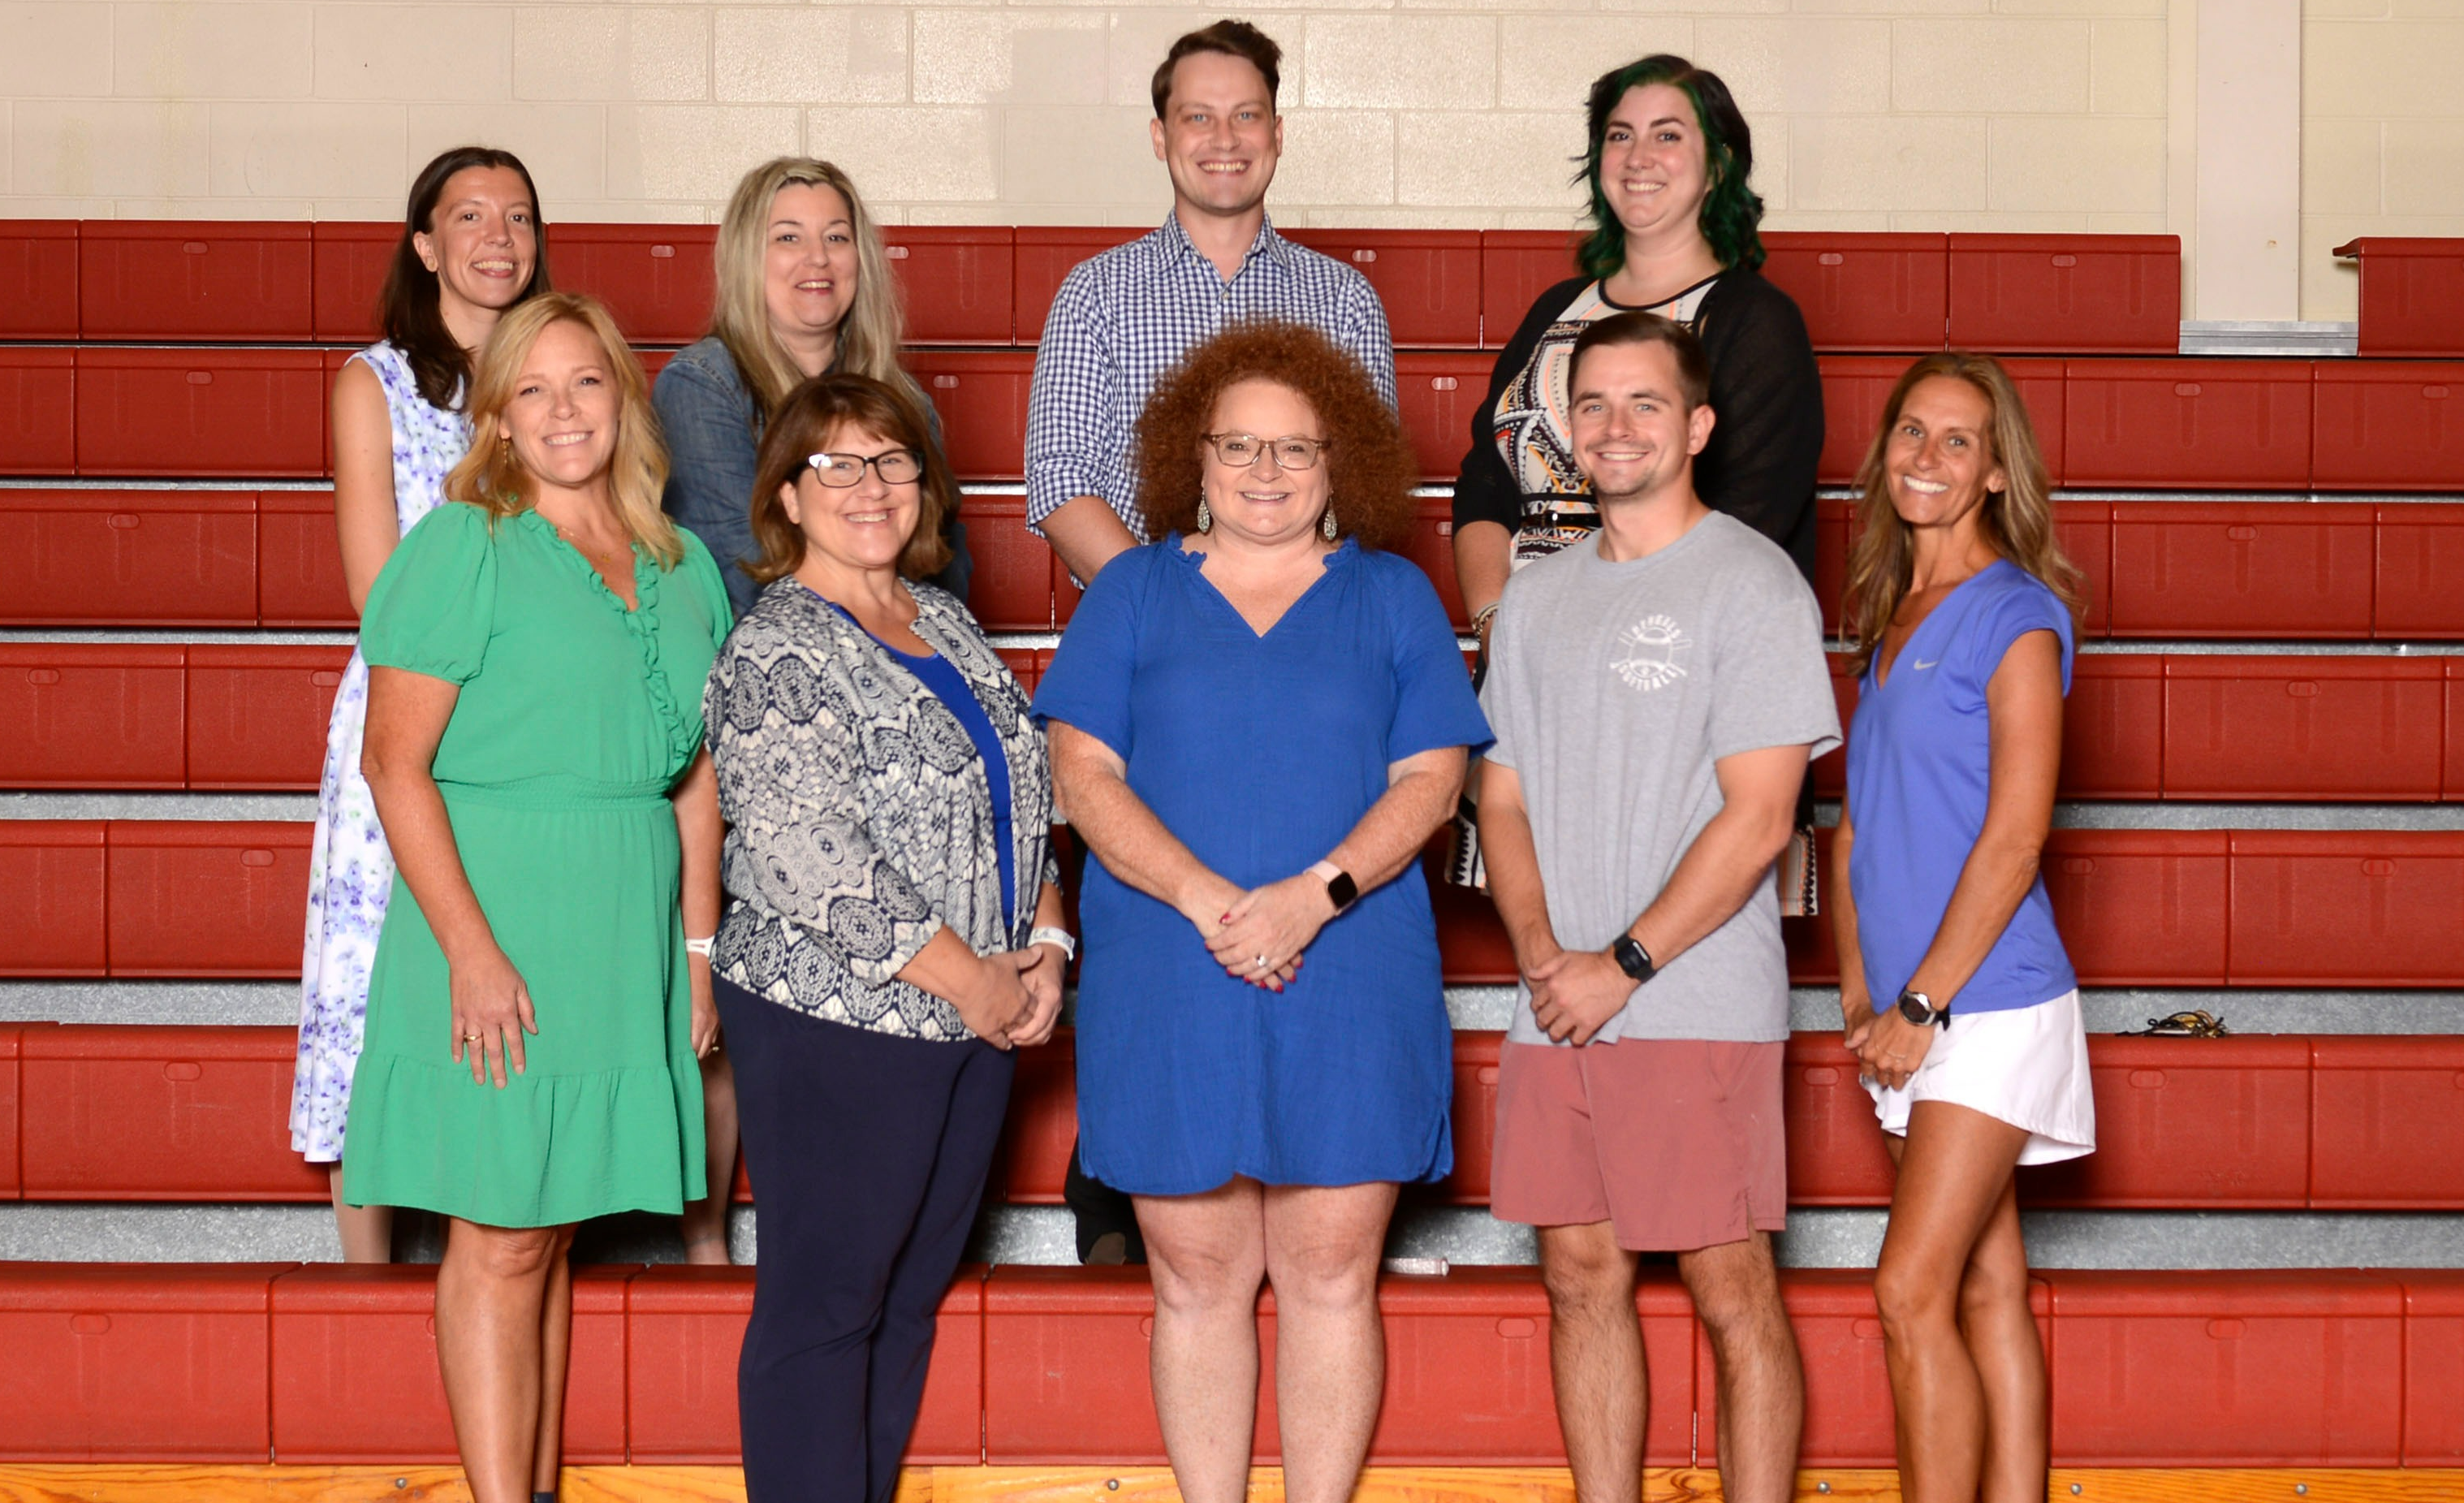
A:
[(354, 1375), (2113, 727), (181, 558), (2387, 1125), (2303, 728), (2207, 1122), (1473, 1114), (1436, 394), (52, 887), (2223, 568), (135, 1113), (39, 279), (1428, 279), (2227, 1368), (2413, 294), (193, 280), (330, 364), (2433, 1367), (2188, 424), (118, 1361), (258, 714), (8, 1113), (90, 715), (657, 280), (1836, 1155), (1045, 253), (351, 259), (2084, 531), (1432, 546), (184, 413), (206, 898), (1516, 266), (1011, 588), (982, 397), (2066, 294), (1471, 939), (299, 578), (2388, 426), (2346, 908), (957, 283), (1065, 1365), (2420, 556), (684, 1330), (2142, 907), (1864, 291), (38, 411)]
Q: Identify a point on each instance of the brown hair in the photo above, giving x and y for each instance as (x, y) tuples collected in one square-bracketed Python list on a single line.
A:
[(492, 476), (1693, 367), (1368, 462), (408, 309), (2017, 520), (802, 424), (1230, 37)]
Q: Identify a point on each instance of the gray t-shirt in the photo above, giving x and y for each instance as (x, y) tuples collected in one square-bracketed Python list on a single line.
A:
[(1612, 689)]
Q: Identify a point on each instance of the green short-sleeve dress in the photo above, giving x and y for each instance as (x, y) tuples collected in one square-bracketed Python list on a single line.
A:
[(575, 719)]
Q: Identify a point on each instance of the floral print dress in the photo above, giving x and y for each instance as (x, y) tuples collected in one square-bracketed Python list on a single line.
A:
[(350, 871)]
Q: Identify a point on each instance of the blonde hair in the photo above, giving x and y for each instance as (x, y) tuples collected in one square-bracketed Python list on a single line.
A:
[(869, 335), (2017, 520), (492, 475)]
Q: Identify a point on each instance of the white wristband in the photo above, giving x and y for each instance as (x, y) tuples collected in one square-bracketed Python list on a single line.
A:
[(1058, 938), (701, 946)]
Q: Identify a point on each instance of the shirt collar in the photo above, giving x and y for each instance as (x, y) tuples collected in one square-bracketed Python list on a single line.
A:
[(1177, 244)]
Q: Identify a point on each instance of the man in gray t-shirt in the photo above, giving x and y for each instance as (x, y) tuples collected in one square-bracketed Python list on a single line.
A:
[(1656, 692)]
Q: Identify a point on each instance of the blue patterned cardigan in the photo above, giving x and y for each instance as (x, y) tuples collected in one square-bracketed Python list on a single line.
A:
[(859, 821)]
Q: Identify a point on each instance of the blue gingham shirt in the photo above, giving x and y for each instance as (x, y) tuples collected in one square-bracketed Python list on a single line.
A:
[(1126, 316)]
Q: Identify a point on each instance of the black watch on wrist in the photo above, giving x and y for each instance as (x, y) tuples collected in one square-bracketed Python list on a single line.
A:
[(1342, 891), (1632, 958), (1918, 1008)]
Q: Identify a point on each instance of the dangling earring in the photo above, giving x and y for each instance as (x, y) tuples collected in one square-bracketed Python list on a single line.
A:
[(1205, 518), (1326, 523)]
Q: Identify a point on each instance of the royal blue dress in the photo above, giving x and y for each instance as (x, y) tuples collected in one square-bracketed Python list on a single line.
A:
[(1259, 752)]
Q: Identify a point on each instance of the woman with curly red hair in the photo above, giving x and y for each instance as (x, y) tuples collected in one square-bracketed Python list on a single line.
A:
[(1256, 723)]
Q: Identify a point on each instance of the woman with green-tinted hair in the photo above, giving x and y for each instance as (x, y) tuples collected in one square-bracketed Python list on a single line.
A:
[(1673, 221)]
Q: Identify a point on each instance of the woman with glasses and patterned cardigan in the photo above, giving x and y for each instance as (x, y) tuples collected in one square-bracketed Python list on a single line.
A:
[(893, 929)]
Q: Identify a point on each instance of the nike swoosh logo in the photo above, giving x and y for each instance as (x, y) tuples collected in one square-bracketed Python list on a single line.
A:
[(1922, 665)]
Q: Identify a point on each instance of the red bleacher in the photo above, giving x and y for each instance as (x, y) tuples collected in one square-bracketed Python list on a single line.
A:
[(1048, 1366), (198, 1114)]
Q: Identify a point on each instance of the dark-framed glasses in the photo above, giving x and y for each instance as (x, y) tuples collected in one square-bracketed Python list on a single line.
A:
[(1240, 450), (895, 467)]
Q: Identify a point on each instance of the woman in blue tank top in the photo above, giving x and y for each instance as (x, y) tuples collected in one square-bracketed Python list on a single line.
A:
[(1956, 993)]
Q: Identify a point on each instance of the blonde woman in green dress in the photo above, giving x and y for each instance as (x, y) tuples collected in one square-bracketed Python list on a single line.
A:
[(534, 746)]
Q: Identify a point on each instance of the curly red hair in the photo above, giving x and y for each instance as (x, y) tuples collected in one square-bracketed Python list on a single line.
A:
[(1369, 461)]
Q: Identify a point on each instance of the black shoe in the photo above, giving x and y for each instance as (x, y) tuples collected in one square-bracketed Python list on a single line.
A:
[(1108, 1223)]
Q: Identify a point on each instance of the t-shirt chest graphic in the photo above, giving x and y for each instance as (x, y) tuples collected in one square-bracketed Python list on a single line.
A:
[(1651, 652)]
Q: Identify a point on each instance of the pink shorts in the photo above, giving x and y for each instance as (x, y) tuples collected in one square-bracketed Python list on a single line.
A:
[(1679, 1143)]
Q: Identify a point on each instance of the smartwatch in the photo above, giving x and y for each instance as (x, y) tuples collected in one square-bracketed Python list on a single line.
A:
[(1918, 1008), (1632, 958), (1340, 889)]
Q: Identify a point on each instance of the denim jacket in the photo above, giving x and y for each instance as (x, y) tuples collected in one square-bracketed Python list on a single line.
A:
[(713, 434)]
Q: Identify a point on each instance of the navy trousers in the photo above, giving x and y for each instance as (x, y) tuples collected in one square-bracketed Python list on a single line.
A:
[(867, 1155)]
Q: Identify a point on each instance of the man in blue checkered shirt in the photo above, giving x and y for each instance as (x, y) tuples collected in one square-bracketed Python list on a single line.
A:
[(1124, 317)]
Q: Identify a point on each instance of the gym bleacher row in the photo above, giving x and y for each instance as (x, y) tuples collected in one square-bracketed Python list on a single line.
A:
[(2270, 542)]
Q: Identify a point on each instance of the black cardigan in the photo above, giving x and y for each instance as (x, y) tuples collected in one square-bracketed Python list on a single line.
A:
[(1760, 463)]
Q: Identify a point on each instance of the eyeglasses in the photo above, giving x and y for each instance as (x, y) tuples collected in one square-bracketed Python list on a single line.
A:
[(1240, 450), (838, 472)]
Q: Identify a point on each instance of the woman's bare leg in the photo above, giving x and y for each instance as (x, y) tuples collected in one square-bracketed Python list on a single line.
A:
[(1323, 1247), (2001, 1334), (705, 1219), (1208, 1257), (492, 1292), (1956, 1167), (367, 1230), (556, 1352)]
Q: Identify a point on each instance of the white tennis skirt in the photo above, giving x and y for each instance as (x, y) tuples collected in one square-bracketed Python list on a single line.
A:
[(2024, 1066)]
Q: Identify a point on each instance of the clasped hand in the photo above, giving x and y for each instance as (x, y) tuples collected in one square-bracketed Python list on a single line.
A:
[(1888, 1048), (1576, 992), (1015, 999), (1258, 935)]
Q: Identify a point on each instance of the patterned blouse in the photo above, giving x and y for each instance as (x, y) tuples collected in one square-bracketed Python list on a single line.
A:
[(859, 818)]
